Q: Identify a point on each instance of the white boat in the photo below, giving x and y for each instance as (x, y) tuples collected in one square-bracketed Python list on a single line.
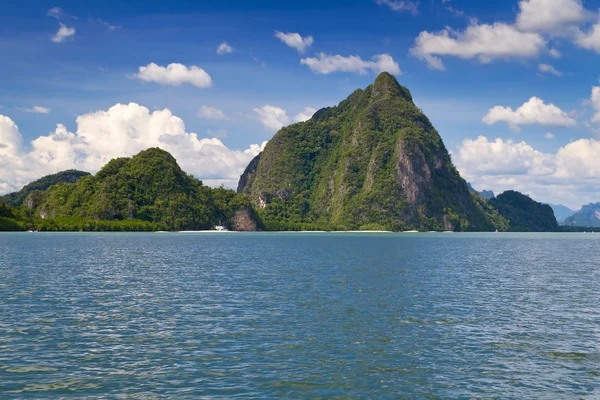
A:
[(220, 228)]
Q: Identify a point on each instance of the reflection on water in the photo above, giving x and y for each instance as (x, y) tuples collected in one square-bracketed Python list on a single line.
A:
[(299, 315)]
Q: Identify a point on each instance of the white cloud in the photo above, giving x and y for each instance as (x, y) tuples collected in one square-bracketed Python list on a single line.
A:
[(109, 27), (570, 176), (36, 110), (549, 135), (327, 64), (533, 112), (549, 69), (400, 5), (219, 133), (557, 17), (295, 40), (595, 102), (122, 130), (174, 74), (484, 42), (211, 113), (63, 33), (58, 13), (589, 40), (272, 117), (305, 114), (224, 48), (10, 137), (554, 53), (259, 61)]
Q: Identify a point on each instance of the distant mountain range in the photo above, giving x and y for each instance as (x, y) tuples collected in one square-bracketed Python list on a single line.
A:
[(485, 194), (561, 212), (588, 216)]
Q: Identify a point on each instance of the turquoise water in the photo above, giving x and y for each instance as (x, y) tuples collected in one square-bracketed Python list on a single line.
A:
[(299, 315)]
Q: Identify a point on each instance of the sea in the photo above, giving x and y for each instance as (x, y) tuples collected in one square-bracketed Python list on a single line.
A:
[(299, 315)]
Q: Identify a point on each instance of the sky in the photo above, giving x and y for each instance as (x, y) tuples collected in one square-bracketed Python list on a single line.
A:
[(512, 86)]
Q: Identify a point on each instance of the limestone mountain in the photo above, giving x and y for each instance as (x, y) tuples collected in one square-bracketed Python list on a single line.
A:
[(523, 213), (561, 212), (148, 187), (373, 159), (588, 216), (484, 194)]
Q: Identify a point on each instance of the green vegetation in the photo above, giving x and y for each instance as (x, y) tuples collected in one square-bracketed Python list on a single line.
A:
[(524, 214), (70, 176), (73, 224), (9, 219), (147, 192), (373, 159)]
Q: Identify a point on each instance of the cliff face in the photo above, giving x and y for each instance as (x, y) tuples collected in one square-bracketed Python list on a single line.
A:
[(374, 158), (244, 221), (247, 177)]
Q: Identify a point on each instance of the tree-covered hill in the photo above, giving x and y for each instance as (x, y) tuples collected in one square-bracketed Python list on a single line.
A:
[(375, 159), (149, 187), (10, 220), (523, 213), (70, 176)]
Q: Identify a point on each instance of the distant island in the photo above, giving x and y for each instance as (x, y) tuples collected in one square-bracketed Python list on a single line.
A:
[(374, 162), (588, 216)]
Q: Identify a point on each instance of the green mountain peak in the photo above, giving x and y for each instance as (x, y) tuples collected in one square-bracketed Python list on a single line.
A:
[(373, 159), (386, 86)]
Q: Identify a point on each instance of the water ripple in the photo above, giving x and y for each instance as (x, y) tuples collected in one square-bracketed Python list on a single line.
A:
[(138, 316)]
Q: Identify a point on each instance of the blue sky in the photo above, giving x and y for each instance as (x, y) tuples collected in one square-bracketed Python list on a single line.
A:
[(94, 67)]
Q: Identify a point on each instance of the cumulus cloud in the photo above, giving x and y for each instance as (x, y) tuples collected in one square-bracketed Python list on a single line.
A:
[(570, 176), (483, 42), (549, 135), (400, 5), (10, 137), (295, 41), (589, 40), (556, 17), (272, 117), (305, 114), (224, 48), (174, 74), (63, 33), (533, 112), (547, 68), (122, 130), (36, 110), (211, 113), (327, 64)]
